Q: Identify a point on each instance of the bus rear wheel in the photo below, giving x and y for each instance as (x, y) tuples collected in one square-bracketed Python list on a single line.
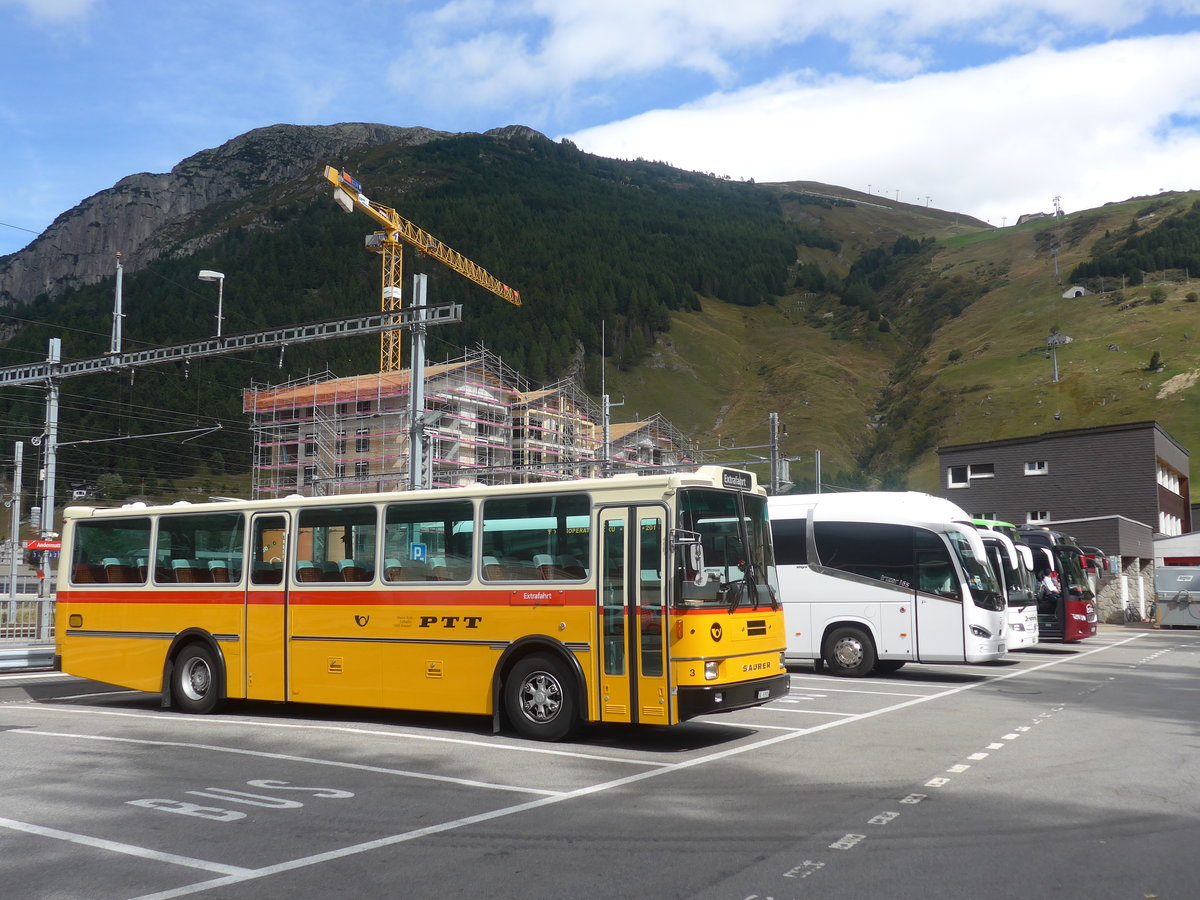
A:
[(849, 652), (539, 698), (194, 681)]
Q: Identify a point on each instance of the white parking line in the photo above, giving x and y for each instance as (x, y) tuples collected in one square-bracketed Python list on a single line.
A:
[(337, 764), (875, 693), (310, 726), (810, 712), (129, 849)]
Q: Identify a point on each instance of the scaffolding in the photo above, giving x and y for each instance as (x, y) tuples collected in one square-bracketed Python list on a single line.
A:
[(323, 435)]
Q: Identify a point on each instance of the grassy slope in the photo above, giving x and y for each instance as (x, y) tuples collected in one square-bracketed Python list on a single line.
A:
[(722, 371), (1004, 380)]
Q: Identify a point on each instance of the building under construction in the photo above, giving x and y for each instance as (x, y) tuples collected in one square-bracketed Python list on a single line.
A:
[(482, 422)]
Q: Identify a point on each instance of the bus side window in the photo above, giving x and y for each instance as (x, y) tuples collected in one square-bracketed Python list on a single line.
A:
[(790, 537), (110, 552), (205, 548), (428, 541)]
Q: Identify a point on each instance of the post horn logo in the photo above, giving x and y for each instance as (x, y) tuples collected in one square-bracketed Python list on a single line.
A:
[(361, 621), (716, 631)]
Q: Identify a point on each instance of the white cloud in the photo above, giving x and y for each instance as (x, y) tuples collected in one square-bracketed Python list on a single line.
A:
[(522, 48), (1092, 125), (52, 11)]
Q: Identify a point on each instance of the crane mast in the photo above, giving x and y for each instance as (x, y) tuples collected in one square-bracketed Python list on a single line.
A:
[(389, 243)]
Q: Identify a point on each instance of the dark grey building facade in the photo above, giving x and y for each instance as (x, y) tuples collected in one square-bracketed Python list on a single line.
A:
[(1136, 470)]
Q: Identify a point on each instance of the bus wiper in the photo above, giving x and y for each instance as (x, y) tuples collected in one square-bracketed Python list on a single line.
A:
[(747, 586)]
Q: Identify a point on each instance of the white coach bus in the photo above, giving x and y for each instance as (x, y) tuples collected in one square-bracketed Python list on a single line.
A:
[(1013, 566), (873, 580)]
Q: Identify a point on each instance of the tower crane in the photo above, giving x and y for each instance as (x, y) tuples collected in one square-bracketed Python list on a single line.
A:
[(389, 243)]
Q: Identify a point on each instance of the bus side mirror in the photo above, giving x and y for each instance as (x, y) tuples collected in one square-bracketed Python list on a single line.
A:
[(689, 542), (696, 562)]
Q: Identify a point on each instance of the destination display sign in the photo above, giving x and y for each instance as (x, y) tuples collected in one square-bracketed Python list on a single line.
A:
[(736, 479)]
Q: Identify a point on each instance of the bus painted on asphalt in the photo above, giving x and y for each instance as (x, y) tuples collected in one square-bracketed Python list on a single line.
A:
[(647, 600), (874, 580)]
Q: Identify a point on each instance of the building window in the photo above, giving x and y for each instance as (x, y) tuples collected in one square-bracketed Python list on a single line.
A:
[(339, 471), (310, 444), (362, 440), (310, 474), (362, 468), (1169, 524), (1037, 516), (340, 445), (1036, 467), (1169, 479), (961, 476), (364, 407)]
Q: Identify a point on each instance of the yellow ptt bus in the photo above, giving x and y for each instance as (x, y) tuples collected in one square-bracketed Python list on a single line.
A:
[(633, 599)]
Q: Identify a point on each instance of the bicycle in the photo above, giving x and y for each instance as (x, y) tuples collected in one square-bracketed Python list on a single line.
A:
[(1132, 614)]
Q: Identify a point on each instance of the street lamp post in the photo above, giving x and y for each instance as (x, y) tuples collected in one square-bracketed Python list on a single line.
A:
[(219, 278)]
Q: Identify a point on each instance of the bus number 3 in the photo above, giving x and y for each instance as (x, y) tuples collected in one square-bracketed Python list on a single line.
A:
[(218, 814)]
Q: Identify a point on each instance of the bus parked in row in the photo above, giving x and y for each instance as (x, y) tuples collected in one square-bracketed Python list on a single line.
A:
[(1012, 565), (873, 580), (1068, 614), (646, 600)]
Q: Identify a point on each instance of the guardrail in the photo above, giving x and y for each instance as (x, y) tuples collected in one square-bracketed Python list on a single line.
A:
[(26, 633)]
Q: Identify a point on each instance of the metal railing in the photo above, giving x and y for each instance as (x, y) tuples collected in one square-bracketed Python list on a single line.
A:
[(26, 619)]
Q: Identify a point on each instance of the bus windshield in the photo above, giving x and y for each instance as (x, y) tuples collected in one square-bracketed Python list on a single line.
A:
[(1073, 580), (985, 592), (738, 566)]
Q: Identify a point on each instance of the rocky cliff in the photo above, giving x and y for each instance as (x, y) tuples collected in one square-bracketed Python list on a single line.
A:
[(146, 216)]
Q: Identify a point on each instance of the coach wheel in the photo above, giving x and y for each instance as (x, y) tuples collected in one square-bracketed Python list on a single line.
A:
[(194, 682), (540, 699), (849, 652), (888, 666)]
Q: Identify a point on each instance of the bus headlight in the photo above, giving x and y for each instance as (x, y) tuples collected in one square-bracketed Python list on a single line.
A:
[(1079, 617), (980, 632), (711, 670)]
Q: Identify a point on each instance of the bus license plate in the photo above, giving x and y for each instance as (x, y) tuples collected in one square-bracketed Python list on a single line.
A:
[(763, 693)]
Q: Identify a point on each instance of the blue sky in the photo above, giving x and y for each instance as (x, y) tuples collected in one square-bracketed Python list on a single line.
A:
[(990, 108)]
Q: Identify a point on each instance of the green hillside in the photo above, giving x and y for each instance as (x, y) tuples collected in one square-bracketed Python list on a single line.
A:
[(876, 329)]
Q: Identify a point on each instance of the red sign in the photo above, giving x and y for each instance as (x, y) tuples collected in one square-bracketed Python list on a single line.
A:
[(43, 545)]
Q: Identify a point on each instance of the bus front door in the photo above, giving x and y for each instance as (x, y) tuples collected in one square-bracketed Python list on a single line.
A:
[(634, 683), (265, 631)]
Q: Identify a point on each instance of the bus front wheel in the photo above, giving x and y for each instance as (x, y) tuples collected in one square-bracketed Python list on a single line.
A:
[(540, 699), (194, 682), (849, 652)]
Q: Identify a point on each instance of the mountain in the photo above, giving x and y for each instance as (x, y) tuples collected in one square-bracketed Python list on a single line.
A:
[(877, 329), (144, 216)]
